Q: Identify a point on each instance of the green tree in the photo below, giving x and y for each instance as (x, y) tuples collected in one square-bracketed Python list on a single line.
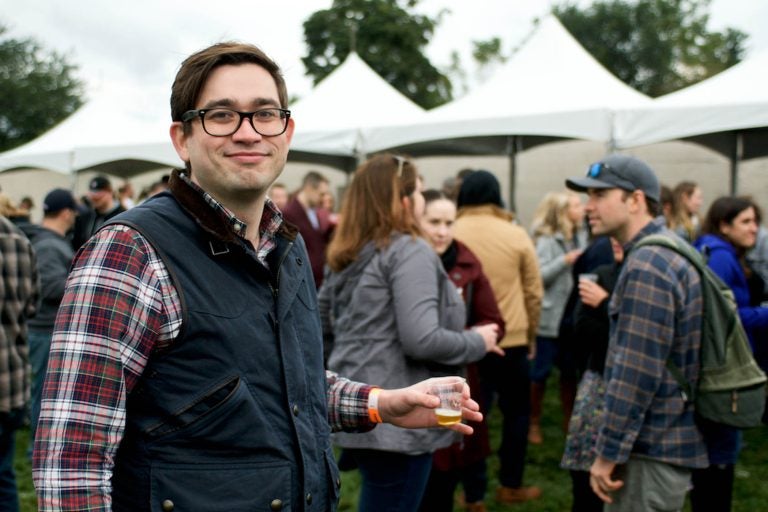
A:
[(38, 89), (386, 36), (488, 57), (656, 46)]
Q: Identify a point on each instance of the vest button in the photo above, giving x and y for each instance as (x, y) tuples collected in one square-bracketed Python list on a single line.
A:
[(309, 499), (295, 410), (167, 505), (299, 261), (338, 483), (276, 505)]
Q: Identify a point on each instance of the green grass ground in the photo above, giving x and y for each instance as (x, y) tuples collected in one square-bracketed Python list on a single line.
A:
[(750, 493)]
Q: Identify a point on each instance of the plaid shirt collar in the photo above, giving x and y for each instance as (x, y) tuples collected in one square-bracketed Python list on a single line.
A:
[(271, 220)]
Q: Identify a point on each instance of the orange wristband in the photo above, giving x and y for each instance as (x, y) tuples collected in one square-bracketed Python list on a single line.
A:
[(373, 405)]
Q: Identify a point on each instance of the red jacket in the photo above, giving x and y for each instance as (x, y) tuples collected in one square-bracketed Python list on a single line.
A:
[(467, 274), (315, 239)]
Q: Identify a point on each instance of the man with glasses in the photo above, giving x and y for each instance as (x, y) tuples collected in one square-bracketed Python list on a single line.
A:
[(648, 443), (186, 368)]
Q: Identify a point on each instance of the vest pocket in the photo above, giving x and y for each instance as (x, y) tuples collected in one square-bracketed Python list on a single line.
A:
[(224, 487)]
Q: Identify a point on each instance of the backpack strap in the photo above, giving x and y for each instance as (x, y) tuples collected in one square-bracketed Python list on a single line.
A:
[(686, 391), (687, 251)]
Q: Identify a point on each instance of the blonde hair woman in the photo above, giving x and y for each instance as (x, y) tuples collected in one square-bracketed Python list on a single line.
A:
[(560, 238), (687, 199)]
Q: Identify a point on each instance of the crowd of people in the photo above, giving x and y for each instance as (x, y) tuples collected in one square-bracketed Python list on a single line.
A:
[(207, 346)]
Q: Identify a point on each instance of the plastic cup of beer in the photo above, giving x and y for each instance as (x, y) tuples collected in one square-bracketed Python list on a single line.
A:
[(450, 392), (588, 277)]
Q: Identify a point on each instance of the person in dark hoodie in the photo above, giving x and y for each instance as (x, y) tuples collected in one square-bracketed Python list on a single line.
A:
[(54, 256)]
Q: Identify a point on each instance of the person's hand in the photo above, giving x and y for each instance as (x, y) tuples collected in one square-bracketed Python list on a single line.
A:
[(413, 407), (572, 256), (531, 350), (591, 293), (490, 334), (600, 479)]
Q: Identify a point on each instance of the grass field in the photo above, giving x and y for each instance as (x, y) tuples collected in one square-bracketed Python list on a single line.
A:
[(750, 491)]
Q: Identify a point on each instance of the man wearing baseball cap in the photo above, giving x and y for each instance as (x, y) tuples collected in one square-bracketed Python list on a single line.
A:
[(648, 442), (100, 206), (54, 256)]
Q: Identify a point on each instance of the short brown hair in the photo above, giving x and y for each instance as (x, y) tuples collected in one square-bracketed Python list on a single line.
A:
[(196, 68), (372, 208)]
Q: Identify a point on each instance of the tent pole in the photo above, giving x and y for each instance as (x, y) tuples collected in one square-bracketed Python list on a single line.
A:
[(737, 152), (72, 173), (512, 149)]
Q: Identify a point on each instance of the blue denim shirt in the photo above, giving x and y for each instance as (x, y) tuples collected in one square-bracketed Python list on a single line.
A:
[(656, 313)]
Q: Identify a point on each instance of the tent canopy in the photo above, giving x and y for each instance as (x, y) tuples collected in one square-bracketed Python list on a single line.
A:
[(550, 88), (709, 112), (116, 125), (125, 132), (350, 97)]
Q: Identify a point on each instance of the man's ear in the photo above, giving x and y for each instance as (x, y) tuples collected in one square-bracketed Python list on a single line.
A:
[(638, 201), (179, 140), (289, 130)]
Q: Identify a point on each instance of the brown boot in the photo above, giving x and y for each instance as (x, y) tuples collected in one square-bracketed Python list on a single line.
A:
[(534, 429), (478, 506), (510, 495)]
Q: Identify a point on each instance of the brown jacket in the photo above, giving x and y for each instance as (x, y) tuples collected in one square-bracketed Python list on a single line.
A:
[(509, 260)]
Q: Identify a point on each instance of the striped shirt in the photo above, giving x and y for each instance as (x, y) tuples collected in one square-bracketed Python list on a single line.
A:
[(19, 289), (119, 307), (656, 313)]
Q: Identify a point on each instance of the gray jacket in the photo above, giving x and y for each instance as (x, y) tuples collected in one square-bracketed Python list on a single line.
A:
[(54, 257), (393, 314), (557, 278)]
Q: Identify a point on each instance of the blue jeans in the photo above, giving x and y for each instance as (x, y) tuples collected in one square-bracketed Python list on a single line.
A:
[(39, 346), (551, 352), (9, 423), (391, 482)]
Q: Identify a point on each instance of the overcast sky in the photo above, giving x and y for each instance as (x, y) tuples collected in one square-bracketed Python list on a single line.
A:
[(138, 44)]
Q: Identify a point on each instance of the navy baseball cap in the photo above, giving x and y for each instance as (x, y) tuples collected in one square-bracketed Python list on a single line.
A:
[(59, 199), (99, 183), (619, 171)]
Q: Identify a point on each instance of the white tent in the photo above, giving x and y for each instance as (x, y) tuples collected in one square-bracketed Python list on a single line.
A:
[(351, 97), (122, 132), (119, 127), (727, 113), (734, 99), (551, 87)]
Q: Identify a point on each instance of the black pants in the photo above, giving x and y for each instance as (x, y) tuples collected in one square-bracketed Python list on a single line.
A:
[(712, 488), (584, 499), (508, 378)]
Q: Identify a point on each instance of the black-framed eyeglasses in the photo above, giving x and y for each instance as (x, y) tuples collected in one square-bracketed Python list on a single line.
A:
[(222, 122)]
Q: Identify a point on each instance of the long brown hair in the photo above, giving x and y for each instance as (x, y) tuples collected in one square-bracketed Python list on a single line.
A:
[(681, 217), (373, 208)]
